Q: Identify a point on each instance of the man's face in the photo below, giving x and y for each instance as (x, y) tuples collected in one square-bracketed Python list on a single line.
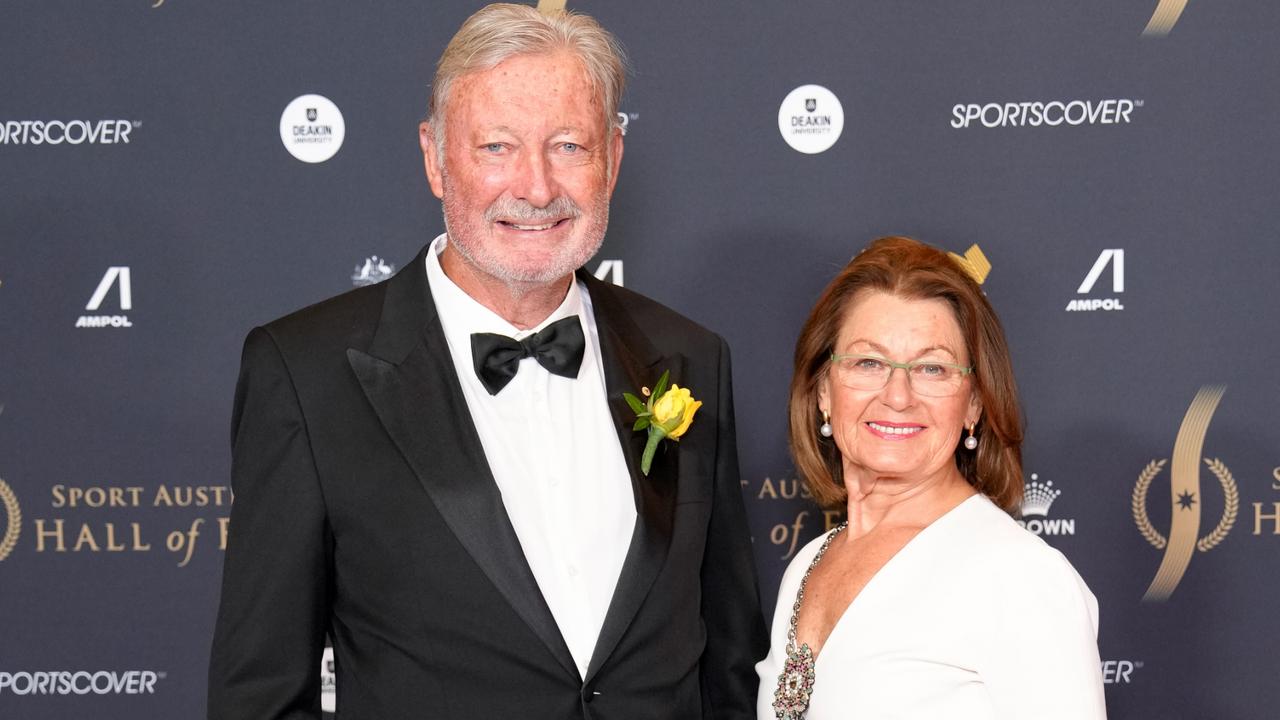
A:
[(527, 169)]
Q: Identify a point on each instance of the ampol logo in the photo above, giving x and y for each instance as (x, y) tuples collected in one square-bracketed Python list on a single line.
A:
[(610, 270), (1115, 258), (116, 276)]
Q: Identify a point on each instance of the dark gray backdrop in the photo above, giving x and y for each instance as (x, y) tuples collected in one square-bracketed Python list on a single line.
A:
[(221, 228)]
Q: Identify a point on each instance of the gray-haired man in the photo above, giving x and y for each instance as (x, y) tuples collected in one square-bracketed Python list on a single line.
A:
[(440, 470)]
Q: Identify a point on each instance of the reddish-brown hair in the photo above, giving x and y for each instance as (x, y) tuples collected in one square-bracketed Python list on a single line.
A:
[(912, 270)]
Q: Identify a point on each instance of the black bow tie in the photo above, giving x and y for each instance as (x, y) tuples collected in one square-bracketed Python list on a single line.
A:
[(558, 347)]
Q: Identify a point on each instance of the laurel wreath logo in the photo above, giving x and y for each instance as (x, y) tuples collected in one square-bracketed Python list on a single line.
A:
[(1139, 504), (14, 514), (1229, 510), (1231, 505)]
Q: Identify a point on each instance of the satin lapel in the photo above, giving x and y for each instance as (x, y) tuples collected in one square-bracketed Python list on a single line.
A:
[(630, 363), (409, 378)]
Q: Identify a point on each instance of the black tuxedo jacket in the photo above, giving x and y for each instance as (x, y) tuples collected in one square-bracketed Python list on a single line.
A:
[(365, 509)]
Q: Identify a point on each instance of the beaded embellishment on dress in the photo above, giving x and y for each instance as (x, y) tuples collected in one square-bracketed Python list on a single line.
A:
[(795, 683)]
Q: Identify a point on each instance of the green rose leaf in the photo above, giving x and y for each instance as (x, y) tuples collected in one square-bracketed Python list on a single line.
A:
[(661, 387), (637, 405)]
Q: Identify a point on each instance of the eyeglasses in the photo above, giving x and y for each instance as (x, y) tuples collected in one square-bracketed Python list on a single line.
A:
[(929, 378)]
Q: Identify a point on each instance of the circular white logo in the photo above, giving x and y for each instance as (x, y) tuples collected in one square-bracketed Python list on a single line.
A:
[(328, 683), (810, 119), (312, 129)]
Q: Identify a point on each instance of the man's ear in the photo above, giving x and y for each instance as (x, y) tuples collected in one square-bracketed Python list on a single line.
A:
[(431, 159), (615, 159)]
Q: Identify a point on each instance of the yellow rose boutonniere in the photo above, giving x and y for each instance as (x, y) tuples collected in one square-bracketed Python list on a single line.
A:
[(667, 414)]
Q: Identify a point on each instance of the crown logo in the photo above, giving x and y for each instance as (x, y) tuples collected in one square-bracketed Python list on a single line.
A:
[(974, 262), (1038, 496), (374, 270)]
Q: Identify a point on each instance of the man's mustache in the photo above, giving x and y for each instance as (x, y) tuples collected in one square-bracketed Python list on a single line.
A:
[(525, 213)]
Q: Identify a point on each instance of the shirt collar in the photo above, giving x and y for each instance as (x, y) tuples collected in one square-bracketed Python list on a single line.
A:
[(461, 315)]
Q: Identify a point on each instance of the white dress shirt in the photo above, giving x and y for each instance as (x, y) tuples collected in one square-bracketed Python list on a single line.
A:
[(974, 619), (553, 448)]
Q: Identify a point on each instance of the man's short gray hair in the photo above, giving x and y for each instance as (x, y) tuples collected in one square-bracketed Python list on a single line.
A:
[(503, 30)]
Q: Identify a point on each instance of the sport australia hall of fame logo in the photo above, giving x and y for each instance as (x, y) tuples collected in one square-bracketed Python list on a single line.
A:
[(10, 519), (1164, 18), (1186, 498)]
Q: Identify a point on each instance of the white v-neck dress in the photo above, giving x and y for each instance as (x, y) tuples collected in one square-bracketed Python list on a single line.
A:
[(974, 619)]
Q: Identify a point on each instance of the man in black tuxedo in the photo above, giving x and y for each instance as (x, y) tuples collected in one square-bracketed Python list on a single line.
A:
[(440, 471)]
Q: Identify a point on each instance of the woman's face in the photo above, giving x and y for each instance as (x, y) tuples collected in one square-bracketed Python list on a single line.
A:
[(895, 431)]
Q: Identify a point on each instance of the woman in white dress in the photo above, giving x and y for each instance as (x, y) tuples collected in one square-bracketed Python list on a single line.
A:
[(931, 601)]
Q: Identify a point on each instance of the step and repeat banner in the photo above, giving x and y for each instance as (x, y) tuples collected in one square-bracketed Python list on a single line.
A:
[(175, 172)]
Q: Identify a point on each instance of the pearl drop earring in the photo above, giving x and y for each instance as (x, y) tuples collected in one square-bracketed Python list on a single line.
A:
[(825, 429), (971, 442)]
